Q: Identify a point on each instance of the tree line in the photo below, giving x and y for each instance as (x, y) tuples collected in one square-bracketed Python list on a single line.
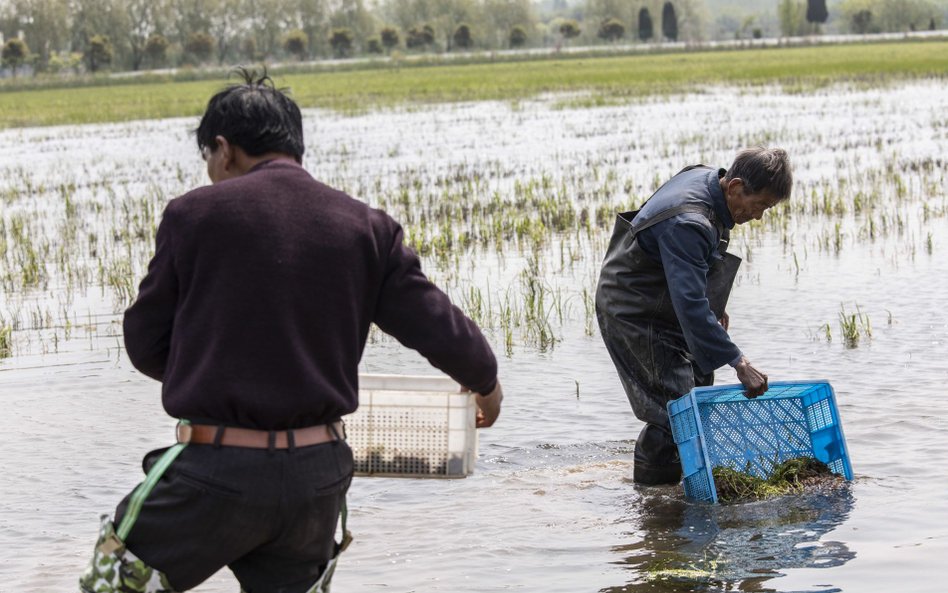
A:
[(807, 17), (92, 35)]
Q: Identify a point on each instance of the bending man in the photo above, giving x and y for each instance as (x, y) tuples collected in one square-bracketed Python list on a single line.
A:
[(662, 289)]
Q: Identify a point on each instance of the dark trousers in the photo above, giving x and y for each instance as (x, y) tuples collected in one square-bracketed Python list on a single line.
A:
[(655, 367), (270, 516)]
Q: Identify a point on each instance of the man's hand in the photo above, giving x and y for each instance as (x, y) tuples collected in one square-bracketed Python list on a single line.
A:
[(725, 320), (488, 407), (754, 381)]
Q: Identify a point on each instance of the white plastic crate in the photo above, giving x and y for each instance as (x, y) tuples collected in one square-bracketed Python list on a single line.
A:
[(419, 427)]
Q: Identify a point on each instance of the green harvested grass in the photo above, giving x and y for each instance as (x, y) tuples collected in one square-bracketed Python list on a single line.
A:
[(790, 477), (608, 79)]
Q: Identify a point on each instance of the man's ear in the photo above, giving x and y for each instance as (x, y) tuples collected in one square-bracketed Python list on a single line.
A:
[(737, 185), (228, 156)]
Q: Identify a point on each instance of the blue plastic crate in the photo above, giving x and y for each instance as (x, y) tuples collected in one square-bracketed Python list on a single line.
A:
[(718, 426)]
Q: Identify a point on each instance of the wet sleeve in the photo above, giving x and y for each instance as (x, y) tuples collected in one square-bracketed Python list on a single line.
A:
[(420, 316), (684, 247), (148, 322)]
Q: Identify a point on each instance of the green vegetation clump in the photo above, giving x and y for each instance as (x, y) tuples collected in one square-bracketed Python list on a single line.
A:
[(6, 342), (790, 477)]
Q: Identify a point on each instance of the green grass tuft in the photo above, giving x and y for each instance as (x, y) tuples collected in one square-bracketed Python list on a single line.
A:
[(6, 342)]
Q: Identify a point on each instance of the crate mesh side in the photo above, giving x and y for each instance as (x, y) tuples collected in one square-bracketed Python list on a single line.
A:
[(838, 467), (698, 486), (753, 435), (684, 425), (400, 440), (819, 415)]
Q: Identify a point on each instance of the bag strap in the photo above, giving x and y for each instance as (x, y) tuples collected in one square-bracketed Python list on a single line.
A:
[(707, 211), (346, 534), (144, 489), (664, 215)]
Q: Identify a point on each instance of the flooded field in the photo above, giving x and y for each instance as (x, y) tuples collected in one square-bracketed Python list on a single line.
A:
[(511, 206)]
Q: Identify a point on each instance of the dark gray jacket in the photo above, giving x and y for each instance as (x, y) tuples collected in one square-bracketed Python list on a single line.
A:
[(656, 268)]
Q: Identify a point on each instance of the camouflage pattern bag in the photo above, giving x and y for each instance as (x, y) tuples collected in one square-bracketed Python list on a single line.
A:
[(114, 568)]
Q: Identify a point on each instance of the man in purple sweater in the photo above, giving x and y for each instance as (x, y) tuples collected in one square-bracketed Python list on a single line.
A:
[(254, 315)]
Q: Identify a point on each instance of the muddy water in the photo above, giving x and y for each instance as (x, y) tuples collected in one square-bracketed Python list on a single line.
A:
[(551, 506)]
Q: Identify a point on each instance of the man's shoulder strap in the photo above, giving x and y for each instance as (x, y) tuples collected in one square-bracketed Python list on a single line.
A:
[(702, 209), (691, 167)]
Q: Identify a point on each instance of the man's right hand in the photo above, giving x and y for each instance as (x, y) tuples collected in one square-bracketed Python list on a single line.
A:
[(754, 381), (488, 407)]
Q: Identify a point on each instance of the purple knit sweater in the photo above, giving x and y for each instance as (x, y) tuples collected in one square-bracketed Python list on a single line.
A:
[(257, 304)]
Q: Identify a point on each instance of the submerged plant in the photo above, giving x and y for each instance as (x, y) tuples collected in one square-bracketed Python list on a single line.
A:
[(789, 477), (6, 341), (849, 328), (853, 325)]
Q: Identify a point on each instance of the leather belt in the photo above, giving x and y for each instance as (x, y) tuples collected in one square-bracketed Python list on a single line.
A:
[(233, 436)]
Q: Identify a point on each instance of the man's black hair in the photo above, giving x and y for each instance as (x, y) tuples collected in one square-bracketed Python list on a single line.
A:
[(254, 115), (763, 170)]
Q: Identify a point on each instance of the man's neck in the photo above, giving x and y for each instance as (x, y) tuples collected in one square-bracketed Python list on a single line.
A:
[(246, 162)]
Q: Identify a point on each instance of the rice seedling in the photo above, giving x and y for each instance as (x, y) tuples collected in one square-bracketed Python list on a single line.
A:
[(852, 326), (6, 340), (589, 310)]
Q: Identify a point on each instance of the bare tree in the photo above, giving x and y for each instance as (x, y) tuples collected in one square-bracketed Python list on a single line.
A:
[(313, 18), (501, 16), (352, 15), (266, 22), (141, 20), (223, 23), (45, 23)]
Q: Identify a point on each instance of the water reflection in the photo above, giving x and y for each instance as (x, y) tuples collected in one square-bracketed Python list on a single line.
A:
[(678, 546)]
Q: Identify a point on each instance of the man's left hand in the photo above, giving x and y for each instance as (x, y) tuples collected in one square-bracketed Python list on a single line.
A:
[(754, 381), (488, 407), (725, 320)]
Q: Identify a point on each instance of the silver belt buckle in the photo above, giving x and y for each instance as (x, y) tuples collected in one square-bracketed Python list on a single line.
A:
[(183, 432)]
